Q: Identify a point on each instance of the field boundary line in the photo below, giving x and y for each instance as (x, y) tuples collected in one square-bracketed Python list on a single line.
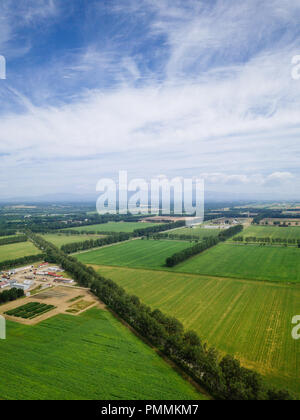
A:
[(224, 278)]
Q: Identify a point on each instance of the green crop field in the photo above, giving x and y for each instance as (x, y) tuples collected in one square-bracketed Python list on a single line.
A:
[(18, 250), (291, 232), (30, 310), (59, 239), (91, 356), (251, 320), (277, 264), (126, 227), (136, 253), (198, 232)]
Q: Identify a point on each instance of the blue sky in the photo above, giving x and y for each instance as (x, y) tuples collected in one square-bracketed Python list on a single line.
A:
[(174, 87)]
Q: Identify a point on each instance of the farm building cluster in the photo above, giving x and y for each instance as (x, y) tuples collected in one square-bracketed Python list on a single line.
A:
[(33, 277), (226, 222)]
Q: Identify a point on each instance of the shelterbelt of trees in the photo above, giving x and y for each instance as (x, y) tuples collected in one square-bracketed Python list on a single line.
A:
[(223, 377), (13, 240), (273, 214), (95, 243), (10, 295), (190, 252), (9, 232), (202, 246), (5, 265), (159, 228), (267, 240), (228, 233), (180, 237)]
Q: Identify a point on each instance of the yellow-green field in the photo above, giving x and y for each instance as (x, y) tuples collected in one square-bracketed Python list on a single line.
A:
[(135, 253), (18, 250), (253, 262), (127, 227), (248, 319), (269, 263), (91, 356), (60, 239), (291, 232)]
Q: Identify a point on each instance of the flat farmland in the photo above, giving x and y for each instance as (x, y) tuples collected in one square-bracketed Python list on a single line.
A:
[(136, 253), (276, 264), (291, 232), (92, 356), (18, 250), (126, 227), (248, 319), (59, 239)]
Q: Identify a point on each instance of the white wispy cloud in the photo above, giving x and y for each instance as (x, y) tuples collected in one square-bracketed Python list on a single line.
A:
[(15, 16)]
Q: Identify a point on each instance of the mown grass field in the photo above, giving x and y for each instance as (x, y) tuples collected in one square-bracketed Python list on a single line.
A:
[(18, 250), (136, 253), (126, 227), (199, 232), (59, 239), (276, 264), (92, 356), (251, 320), (292, 232)]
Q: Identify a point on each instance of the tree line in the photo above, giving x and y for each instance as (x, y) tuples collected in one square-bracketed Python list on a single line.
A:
[(5, 265), (10, 295), (272, 214), (158, 228), (13, 240), (183, 255), (223, 377), (9, 232), (81, 232), (90, 232), (181, 237), (95, 243), (267, 240), (228, 233)]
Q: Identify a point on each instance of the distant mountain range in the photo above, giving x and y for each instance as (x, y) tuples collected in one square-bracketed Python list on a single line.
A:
[(210, 196)]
